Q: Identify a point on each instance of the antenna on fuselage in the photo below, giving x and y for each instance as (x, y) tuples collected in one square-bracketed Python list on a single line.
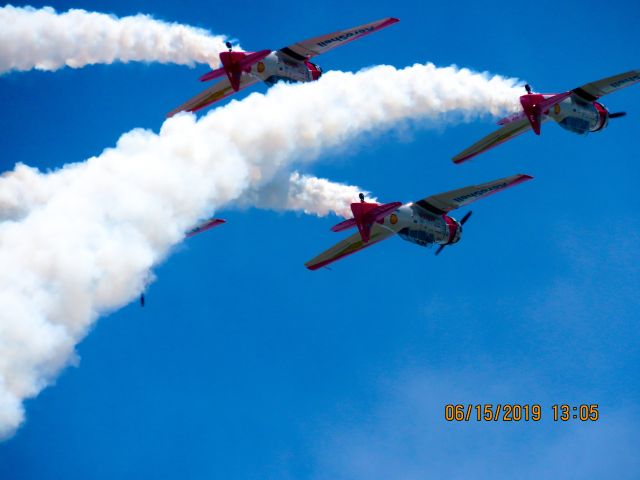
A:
[(228, 44)]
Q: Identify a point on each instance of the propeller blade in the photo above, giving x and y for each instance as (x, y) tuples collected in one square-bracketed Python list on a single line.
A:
[(440, 249), (617, 114)]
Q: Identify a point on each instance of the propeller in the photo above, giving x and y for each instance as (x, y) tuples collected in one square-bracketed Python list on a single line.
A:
[(462, 222), (617, 114)]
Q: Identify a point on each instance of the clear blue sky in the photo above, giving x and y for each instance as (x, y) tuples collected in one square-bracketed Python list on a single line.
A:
[(246, 365)]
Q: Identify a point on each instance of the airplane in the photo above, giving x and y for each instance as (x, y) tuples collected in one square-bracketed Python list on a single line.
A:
[(289, 64), (199, 228), (425, 222), (576, 110)]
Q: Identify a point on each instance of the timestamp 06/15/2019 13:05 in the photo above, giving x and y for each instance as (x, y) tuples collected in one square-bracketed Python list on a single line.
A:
[(515, 412)]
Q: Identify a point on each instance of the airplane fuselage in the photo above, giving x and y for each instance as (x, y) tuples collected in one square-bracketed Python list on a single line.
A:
[(276, 67), (422, 228), (578, 116)]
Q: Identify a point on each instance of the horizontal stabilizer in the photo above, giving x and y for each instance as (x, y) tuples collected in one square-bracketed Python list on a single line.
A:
[(235, 61), (549, 102), (371, 215), (344, 225), (252, 58), (382, 211), (541, 106), (366, 214), (510, 119), (218, 72)]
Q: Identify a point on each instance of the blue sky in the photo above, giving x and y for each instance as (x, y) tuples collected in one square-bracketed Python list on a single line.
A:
[(244, 364)]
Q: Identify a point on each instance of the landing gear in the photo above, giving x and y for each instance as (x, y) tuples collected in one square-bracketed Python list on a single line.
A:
[(228, 44), (527, 87), (361, 198)]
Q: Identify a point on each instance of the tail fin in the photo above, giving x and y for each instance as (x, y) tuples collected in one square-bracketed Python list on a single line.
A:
[(530, 104)]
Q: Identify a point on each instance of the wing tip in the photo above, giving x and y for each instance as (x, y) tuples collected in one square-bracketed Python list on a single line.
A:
[(384, 22), (521, 178), (458, 159), (387, 22)]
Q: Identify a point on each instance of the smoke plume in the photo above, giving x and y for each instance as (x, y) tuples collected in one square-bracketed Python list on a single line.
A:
[(81, 241), (46, 40)]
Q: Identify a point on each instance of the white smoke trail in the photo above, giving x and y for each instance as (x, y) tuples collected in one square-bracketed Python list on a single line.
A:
[(81, 241), (46, 40), (25, 188), (304, 193)]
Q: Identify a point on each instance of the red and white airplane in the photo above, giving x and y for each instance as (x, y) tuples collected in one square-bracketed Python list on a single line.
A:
[(289, 64), (576, 111), (425, 222)]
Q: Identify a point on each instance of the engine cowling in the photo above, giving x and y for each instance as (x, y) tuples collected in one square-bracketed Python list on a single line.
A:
[(603, 117), (314, 70), (455, 230)]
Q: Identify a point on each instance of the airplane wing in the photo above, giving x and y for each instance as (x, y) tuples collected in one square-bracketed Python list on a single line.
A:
[(594, 90), (204, 226), (315, 46), (509, 131), (445, 202), (217, 92), (348, 246)]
